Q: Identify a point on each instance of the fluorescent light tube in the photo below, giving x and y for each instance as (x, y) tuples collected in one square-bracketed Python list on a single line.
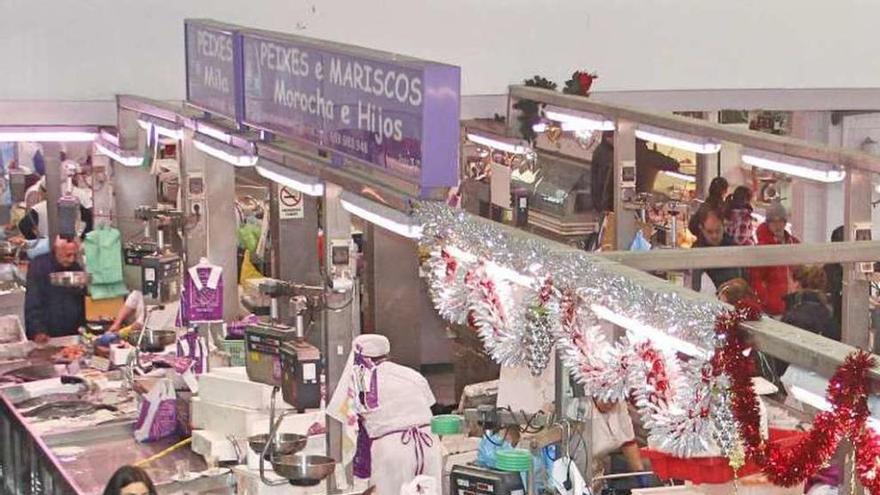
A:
[(578, 120), (789, 165), (678, 140), (222, 151), (821, 403), (127, 158), (163, 127), (680, 176), (662, 339), (378, 214), (492, 269), (514, 146), (47, 136), (213, 132), (306, 184)]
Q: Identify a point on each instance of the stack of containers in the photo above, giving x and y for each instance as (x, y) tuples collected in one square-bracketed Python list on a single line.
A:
[(230, 408)]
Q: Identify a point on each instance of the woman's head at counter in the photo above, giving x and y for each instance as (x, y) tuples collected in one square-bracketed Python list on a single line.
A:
[(130, 480)]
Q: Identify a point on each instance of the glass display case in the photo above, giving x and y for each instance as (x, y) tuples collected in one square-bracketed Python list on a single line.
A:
[(561, 188)]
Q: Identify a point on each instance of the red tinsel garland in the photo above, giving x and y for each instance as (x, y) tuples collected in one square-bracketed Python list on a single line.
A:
[(847, 393)]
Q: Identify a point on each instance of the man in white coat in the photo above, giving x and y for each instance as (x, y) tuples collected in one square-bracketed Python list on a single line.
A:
[(387, 408)]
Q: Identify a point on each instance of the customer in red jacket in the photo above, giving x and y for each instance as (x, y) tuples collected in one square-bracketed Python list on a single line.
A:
[(772, 283)]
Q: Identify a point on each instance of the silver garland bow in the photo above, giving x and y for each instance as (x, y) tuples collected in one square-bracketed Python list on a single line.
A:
[(686, 420)]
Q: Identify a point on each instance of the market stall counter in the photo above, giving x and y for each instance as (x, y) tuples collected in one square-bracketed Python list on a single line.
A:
[(65, 430)]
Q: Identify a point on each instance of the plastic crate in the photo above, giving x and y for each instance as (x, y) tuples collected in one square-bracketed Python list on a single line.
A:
[(235, 349), (711, 470)]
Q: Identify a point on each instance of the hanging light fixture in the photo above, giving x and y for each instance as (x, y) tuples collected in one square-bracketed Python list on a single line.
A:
[(306, 184), (513, 146), (384, 216), (40, 134), (573, 120), (680, 140), (222, 151), (163, 127), (789, 165), (124, 157)]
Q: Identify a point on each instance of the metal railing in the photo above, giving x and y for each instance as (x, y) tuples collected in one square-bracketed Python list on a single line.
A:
[(27, 467)]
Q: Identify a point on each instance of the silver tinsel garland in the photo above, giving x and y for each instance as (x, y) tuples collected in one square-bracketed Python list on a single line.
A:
[(448, 291), (685, 423)]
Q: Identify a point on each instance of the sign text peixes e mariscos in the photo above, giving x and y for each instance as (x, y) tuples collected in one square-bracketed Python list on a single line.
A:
[(368, 108), (327, 69)]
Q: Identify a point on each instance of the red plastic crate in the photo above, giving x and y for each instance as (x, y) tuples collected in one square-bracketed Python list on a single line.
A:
[(712, 470)]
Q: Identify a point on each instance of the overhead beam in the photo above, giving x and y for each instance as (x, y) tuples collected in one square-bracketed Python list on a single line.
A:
[(787, 342), (716, 100), (747, 256), (753, 139)]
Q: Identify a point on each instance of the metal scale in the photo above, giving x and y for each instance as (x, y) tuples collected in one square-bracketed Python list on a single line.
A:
[(159, 268), (278, 354)]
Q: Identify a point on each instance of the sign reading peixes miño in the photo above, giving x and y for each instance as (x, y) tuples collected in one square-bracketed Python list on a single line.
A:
[(213, 67)]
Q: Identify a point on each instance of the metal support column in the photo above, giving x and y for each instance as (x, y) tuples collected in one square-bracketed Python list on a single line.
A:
[(856, 309), (707, 165), (132, 186), (299, 264), (624, 152), (222, 239), (193, 164), (343, 324), (54, 182), (394, 269)]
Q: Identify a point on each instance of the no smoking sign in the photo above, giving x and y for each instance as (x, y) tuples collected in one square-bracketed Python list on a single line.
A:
[(290, 203)]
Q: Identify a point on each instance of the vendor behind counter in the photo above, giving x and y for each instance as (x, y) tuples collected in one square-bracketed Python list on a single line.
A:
[(52, 311)]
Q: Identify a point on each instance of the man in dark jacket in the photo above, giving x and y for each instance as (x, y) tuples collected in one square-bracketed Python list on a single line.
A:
[(649, 163), (51, 311), (712, 235), (834, 274)]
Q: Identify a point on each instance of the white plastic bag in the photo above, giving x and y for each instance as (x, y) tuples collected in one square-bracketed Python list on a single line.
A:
[(563, 470), (11, 330), (157, 418)]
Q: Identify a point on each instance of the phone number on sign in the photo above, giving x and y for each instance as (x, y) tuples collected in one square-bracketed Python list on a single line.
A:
[(350, 143)]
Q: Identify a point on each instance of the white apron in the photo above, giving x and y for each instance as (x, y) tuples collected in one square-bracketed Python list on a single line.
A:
[(403, 445)]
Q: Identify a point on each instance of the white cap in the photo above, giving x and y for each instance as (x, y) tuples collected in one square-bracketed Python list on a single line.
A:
[(372, 345)]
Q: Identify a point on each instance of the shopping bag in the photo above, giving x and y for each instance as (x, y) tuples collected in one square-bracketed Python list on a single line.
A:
[(639, 242), (248, 270), (157, 417), (489, 446), (566, 478), (191, 345)]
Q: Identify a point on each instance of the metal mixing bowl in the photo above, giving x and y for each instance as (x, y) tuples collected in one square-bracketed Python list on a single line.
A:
[(302, 469), (285, 444), (154, 340)]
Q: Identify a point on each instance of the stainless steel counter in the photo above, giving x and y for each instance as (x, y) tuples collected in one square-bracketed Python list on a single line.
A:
[(81, 459)]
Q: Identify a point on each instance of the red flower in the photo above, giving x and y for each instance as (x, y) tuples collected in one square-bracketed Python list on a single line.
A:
[(585, 80)]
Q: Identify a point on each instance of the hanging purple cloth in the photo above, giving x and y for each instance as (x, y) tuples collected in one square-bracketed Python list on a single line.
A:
[(202, 298), (370, 400), (363, 458)]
